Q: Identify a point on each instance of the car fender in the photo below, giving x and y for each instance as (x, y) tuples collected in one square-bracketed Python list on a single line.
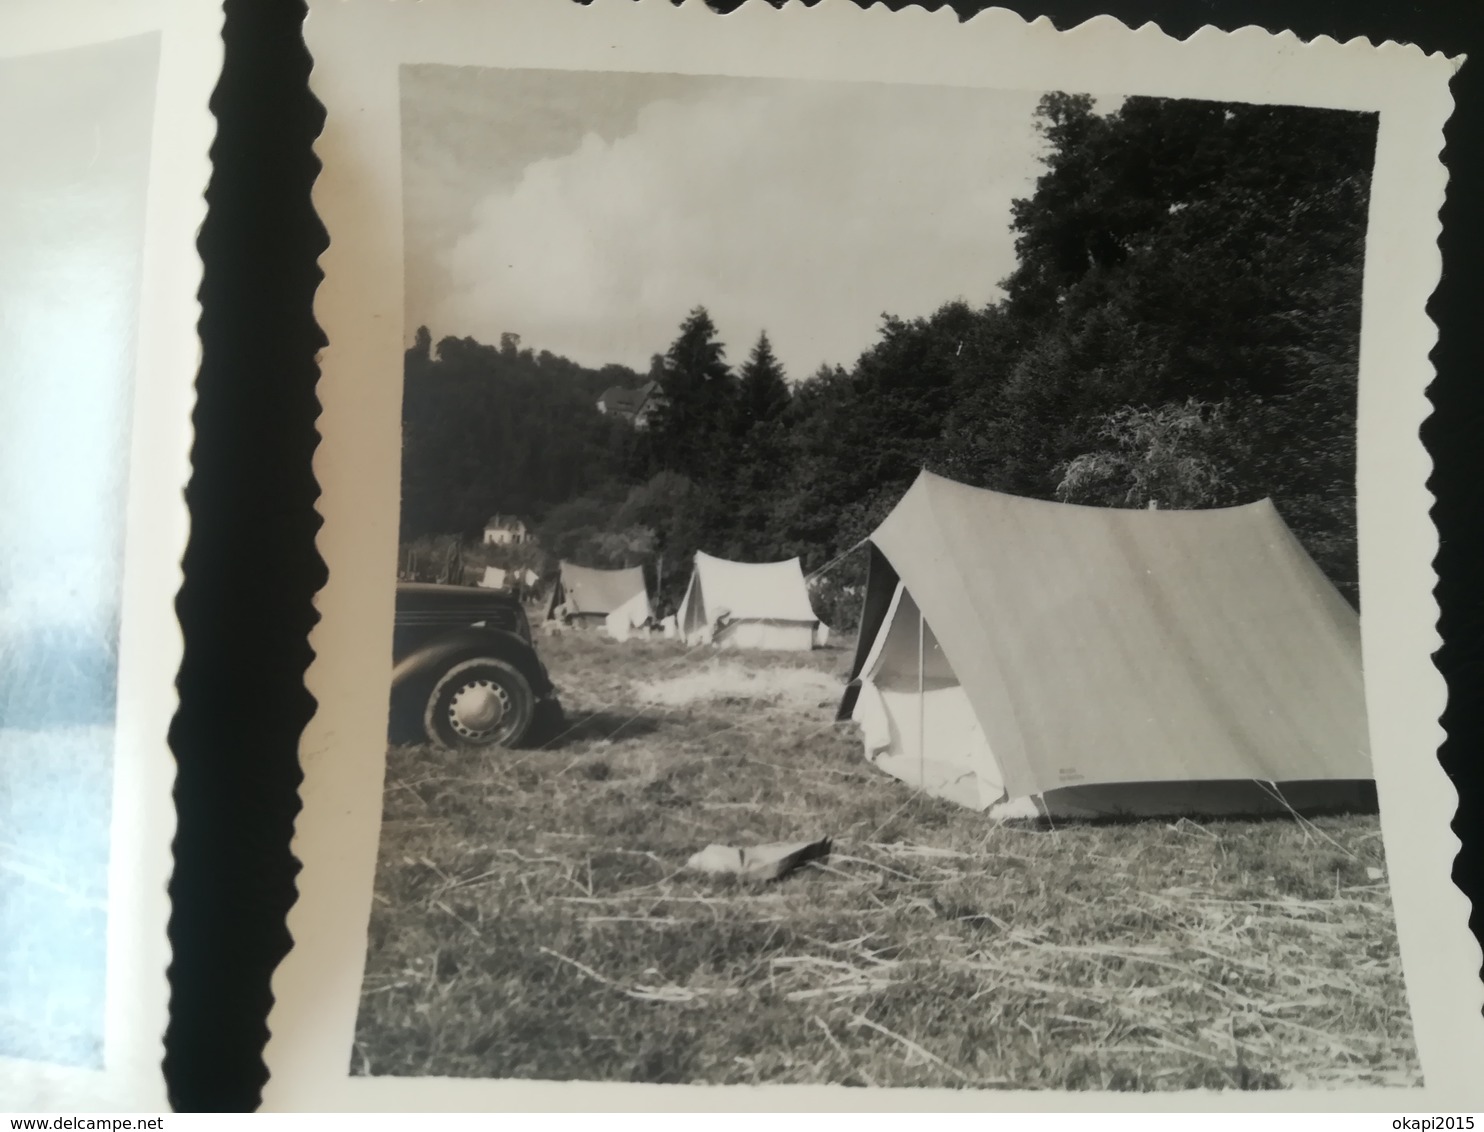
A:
[(462, 644)]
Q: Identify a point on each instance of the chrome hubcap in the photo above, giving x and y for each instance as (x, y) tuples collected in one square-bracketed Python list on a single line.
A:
[(476, 710)]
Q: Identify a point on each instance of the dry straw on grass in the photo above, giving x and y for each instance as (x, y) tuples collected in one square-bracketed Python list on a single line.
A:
[(532, 919)]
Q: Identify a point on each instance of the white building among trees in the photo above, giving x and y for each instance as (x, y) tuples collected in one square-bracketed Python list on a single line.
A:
[(633, 405), (505, 530)]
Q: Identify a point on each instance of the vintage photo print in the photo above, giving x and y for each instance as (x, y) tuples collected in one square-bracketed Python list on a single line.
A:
[(883, 567), (98, 271)]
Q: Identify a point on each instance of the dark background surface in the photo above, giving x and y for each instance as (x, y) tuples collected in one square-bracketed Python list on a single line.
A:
[(251, 570)]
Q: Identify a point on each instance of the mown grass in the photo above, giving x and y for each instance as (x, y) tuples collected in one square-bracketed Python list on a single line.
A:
[(532, 919)]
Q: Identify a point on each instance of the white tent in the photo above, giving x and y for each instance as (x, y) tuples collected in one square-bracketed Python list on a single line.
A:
[(617, 599), (494, 578), (1027, 657), (763, 605)]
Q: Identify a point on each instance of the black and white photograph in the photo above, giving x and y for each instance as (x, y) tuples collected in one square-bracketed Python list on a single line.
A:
[(877, 597), (871, 552)]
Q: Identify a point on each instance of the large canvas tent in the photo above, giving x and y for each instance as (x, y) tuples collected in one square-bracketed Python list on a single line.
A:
[(1025, 657), (615, 599), (757, 605)]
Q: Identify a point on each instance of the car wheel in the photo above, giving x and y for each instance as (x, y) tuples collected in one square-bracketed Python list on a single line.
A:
[(479, 703)]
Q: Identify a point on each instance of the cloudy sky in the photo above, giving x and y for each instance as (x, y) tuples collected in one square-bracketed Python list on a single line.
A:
[(588, 212)]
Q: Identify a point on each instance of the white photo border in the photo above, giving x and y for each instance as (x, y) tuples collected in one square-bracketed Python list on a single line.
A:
[(357, 47)]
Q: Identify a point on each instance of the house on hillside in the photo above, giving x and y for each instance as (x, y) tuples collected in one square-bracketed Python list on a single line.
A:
[(505, 530), (635, 406)]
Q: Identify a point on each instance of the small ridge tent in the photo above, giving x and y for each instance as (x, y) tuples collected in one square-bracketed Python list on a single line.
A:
[(615, 599), (1026, 657), (753, 605), (494, 578)]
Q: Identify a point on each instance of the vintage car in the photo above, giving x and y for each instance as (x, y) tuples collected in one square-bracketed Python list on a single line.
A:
[(465, 670)]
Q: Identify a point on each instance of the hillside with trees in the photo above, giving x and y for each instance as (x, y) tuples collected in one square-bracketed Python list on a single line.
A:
[(1181, 329), (489, 429)]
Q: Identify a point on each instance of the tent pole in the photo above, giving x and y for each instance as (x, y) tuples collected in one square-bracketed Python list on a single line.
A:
[(921, 707)]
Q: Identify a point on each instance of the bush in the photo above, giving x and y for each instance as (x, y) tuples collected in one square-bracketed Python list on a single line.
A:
[(838, 594)]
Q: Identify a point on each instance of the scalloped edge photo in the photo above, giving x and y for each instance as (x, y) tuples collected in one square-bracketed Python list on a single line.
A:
[(163, 348), (358, 47)]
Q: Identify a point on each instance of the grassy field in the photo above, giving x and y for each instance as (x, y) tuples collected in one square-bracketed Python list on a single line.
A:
[(532, 917)]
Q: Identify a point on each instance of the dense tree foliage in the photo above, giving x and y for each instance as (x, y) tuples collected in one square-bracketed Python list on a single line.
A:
[(487, 430), (1181, 329)]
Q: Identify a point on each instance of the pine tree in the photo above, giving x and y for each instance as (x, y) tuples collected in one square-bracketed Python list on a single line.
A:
[(763, 392), (698, 398)]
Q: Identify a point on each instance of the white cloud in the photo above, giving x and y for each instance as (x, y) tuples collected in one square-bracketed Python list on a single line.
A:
[(805, 209)]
